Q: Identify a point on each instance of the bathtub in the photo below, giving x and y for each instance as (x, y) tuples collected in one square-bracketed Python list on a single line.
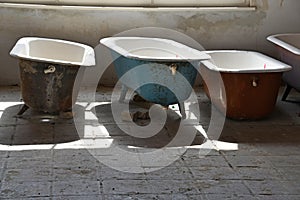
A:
[(288, 46), (162, 71), (48, 69), (251, 83)]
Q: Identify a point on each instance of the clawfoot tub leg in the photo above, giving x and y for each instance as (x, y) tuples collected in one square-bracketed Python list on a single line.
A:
[(286, 92), (123, 93), (23, 109), (182, 110)]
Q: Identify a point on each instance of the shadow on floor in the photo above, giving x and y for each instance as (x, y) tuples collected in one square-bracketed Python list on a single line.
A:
[(282, 126), (164, 137), (34, 128)]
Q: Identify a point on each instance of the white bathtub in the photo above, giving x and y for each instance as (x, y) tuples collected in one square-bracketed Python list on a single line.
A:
[(288, 46), (251, 82)]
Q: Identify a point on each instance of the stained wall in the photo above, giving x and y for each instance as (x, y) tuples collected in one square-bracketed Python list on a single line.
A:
[(213, 29)]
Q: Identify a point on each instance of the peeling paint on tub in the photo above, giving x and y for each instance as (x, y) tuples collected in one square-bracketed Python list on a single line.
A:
[(28, 67), (59, 78)]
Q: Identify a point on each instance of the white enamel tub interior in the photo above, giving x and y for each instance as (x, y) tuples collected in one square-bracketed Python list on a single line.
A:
[(54, 51), (290, 42), (243, 62), (153, 49)]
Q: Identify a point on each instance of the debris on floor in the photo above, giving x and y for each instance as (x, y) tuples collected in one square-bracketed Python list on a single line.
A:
[(134, 115), (139, 101)]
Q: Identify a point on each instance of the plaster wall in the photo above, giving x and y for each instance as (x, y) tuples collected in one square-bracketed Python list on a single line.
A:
[(214, 29)]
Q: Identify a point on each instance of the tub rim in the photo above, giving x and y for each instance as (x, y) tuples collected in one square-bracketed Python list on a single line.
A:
[(110, 43), (275, 39), (213, 67), (21, 50)]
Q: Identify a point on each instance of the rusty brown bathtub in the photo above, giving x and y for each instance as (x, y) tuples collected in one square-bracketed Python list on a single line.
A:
[(251, 83)]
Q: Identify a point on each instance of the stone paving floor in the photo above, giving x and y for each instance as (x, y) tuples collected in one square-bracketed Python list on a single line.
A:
[(92, 156)]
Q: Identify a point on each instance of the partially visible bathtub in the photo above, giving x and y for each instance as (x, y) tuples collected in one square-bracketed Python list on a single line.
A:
[(251, 83), (288, 46)]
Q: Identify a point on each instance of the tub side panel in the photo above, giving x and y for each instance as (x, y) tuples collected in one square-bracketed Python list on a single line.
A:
[(156, 81), (244, 98), (251, 96), (214, 88), (51, 92)]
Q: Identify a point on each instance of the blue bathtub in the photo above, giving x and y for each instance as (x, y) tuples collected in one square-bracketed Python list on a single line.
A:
[(161, 71)]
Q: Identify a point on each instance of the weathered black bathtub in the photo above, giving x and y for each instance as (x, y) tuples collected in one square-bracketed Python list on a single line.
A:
[(48, 69)]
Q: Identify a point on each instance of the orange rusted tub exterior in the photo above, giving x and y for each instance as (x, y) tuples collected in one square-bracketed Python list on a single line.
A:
[(250, 90)]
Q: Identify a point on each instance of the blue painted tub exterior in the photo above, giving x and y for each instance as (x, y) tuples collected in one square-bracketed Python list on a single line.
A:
[(158, 72)]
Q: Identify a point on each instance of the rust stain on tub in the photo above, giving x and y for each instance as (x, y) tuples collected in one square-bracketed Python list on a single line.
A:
[(28, 66), (50, 93), (59, 78)]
